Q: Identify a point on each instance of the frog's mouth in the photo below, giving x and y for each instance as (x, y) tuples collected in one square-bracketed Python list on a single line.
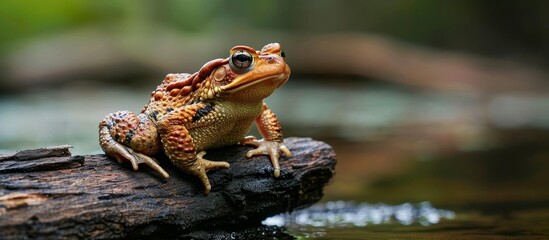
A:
[(269, 79), (241, 84)]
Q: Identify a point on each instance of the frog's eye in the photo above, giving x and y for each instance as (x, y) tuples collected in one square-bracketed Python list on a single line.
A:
[(241, 60), (282, 54)]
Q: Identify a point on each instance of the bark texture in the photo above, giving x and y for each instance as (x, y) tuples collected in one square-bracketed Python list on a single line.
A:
[(49, 193)]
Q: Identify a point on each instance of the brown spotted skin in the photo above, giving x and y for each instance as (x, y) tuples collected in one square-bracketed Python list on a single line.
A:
[(190, 113)]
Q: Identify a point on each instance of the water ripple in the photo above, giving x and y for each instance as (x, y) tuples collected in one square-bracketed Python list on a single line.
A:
[(351, 214)]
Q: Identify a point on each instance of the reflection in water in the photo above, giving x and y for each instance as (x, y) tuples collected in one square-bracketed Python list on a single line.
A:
[(350, 214)]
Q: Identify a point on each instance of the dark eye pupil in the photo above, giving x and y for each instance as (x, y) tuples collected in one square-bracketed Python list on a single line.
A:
[(282, 54), (241, 60)]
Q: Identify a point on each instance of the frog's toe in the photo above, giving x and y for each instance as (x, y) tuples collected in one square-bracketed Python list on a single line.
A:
[(272, 149), (207, 164), (202, 166), (122, 153), (285, 150), (250, 140), (149, 161)]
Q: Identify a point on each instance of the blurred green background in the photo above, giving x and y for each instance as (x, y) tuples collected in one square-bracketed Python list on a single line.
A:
[(440, 101)]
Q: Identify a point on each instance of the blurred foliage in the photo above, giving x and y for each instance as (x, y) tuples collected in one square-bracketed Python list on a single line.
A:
[(479, 26)]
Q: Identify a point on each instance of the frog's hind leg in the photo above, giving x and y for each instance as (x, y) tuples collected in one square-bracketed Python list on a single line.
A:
[(126, 137)]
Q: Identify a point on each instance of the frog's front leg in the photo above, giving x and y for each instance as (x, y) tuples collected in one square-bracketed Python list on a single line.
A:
[(272, 142), (180, 148)]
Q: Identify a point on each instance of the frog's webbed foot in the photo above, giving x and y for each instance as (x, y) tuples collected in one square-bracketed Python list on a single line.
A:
[(201, 166), (270, 148), (122, 153)]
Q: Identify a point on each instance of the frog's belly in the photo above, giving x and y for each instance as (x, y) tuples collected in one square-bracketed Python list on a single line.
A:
[(221, 134)]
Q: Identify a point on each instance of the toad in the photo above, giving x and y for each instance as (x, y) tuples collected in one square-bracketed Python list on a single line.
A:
[(190, 113)]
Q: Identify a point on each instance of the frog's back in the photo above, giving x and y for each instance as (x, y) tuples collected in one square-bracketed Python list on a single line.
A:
[(171, 94)]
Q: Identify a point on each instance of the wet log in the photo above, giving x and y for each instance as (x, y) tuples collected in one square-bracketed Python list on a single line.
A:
[(48, 193)]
